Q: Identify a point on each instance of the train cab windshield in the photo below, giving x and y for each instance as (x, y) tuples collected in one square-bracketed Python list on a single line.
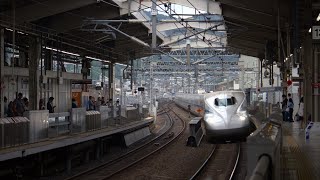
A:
[(225, 101)]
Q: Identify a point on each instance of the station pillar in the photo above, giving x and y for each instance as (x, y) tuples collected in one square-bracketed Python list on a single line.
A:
[(307, 77), (34, 58), (2, 50), (315, 89), (111, 84)]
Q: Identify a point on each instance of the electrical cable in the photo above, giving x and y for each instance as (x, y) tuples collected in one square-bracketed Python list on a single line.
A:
[(187, 28), (146, 7), (150, 22)]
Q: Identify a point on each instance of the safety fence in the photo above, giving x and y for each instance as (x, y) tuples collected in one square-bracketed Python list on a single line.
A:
[(41, 125)]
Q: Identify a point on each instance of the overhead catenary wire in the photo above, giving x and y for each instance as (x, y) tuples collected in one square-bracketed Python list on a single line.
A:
[(173, 23), (186, 26), (202, 36), (146, 7)]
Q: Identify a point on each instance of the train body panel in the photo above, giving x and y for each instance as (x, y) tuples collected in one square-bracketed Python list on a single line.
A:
[(196, 102), (224, 114)]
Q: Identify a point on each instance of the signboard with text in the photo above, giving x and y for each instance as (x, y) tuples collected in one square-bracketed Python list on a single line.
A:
[(316, 32)]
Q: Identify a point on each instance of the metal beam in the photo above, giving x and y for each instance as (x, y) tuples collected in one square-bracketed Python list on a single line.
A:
[(194, 34), (161, 21), (65, 22), (47, 8), (257, 7), (246, 43), (174, 38), (213, 7), (249, 51), (196, 44), (200, 25), (130, 37), (249, 18)]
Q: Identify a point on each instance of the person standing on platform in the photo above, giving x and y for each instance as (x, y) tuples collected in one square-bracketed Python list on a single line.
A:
[(98, 103), (103, 102), (26, 104), (41, 105), (291, 107), (91, 103), (290, 110), (118, 102), (300, 112), (284, 107), (50, 105), (74, 103), (5, 104), (10, 111), (18, 106)]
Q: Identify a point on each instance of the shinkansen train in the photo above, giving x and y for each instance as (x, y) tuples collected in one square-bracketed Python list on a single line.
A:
[(224, 112)]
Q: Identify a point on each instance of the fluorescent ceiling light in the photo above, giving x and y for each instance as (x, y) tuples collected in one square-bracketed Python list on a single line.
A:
[(318, 18), (310, 30), (121, 64), (17, 31), (65, 52), (96, 59)]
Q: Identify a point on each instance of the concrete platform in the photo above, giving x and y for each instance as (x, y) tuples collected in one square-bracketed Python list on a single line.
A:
[(300, 158), (62, 141)]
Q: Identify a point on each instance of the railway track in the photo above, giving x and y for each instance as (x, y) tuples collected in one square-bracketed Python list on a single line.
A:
[(159, 161), (176, 161), (217, 165), (111, 168)]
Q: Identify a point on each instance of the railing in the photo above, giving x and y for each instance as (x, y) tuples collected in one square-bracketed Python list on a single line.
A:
[(264, 148), (59, 124), (263, 170)]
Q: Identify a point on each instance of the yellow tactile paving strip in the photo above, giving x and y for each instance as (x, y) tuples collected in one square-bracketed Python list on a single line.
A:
[(295, 163)]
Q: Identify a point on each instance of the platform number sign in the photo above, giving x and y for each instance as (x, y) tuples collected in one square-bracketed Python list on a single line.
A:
[(315, 32)]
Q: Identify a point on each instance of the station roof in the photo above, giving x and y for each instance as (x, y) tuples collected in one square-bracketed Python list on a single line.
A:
[(249, 24), (252, 23)]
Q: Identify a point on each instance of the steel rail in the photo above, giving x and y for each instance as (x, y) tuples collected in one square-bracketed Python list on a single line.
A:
[(153, 152), (236, 163), (83, 173), (214, 149), (198, 172)]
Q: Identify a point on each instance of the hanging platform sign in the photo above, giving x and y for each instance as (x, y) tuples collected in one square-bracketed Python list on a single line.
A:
[(316, 32)]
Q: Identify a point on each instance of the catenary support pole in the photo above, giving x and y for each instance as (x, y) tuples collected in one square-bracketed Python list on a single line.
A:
[(154, 24)]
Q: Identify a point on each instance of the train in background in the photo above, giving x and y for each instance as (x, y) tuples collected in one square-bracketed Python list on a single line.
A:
[(224, 112)]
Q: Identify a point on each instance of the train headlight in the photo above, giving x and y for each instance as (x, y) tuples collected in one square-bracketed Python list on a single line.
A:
[(242, 118)]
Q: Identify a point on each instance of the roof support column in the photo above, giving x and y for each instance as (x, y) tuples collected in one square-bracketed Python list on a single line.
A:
[(34, 54), (307, 78), (2, 71), (154, 24), (111, 84), (316, 69), (307, 70)]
